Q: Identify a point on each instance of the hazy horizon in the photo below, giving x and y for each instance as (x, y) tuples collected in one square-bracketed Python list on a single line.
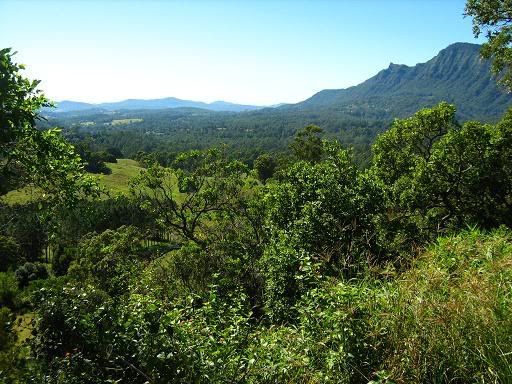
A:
[(262, 53)]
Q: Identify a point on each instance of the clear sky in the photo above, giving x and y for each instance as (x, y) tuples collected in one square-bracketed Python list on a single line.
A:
[(253, 52)]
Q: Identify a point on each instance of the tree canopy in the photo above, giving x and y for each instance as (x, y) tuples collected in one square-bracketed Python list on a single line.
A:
[(494, 18), (29, 155)]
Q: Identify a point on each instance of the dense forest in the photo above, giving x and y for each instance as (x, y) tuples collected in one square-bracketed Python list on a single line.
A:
[(378, 256)]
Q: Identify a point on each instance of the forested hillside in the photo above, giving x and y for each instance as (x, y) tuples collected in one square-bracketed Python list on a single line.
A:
[(303, 266), (457, 75)]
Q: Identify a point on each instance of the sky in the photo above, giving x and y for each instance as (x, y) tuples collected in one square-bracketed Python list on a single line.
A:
[(250, 52)]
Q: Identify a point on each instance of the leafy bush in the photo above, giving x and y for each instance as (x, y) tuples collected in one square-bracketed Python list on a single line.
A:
[(440, 176), (8, 289), (29, 272), (9, 253), (331, 342), (62, 259), (109, 260)]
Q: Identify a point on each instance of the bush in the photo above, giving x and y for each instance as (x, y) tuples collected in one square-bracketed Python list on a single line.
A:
[(62, 259), (331, 342), (29, 272), (110, 260), (9, 253), (7, 337), (8, 289)]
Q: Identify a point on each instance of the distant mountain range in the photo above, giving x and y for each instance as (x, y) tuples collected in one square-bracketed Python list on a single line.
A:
[(168, 102), (457, 75)]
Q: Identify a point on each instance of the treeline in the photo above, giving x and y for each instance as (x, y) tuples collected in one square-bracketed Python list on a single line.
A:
[(248, 134), (318, 272)]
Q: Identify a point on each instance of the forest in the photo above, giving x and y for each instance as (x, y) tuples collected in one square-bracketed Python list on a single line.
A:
[(309, 260)]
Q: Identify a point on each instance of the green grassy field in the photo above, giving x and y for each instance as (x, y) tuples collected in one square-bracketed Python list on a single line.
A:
[(118, 181), (125, 121), (115, 184)]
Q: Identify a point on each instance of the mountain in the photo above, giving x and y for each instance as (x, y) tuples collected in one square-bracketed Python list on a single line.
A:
[(457, 75), (139, 104)]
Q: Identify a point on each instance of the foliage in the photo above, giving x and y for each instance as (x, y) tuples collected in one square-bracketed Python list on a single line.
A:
[(9, 253), (8, 290), (29, 272), (307, 144), (265, 166), (319, 214), (493, 17), (26, 226), (8, 350), (42, 158), (440, 176), (109, 260), (72, 324), (203, 186), (449, 319), (332, 341)]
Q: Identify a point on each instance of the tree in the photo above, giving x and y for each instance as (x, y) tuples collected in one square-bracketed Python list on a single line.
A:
[(265, 166), (29, 155), (201, 189), (442, 176), (307, 144), (494, 17), (319, 223)]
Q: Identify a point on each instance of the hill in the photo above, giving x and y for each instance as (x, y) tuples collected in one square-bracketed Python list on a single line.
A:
[(138, 104), (457, 75), (116, 183)]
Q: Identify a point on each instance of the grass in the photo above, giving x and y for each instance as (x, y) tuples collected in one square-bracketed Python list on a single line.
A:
[(125, 121), (117, 183), (23, 327), (451, 318)]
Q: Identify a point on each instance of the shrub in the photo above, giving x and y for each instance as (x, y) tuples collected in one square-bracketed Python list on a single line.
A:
[(29, 272), (331, 342), (9, 253), (8, 289), (62, 259), (109, 260)]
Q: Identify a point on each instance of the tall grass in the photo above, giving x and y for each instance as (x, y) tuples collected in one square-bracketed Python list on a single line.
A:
[(451, 317)]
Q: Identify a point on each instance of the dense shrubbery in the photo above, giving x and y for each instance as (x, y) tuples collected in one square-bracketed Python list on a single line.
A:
[(29, 272), (9, 253), (445, 319), (8, 289), (313, 277)]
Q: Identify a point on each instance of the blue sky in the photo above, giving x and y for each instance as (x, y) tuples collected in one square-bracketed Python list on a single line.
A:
[(254, 52)]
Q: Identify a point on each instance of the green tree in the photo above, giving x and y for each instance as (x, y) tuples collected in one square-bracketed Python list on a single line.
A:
[(494, 17), (265, 166), (27, 154), (319, 219), (442, 176), (307, 144), (202, 188)]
